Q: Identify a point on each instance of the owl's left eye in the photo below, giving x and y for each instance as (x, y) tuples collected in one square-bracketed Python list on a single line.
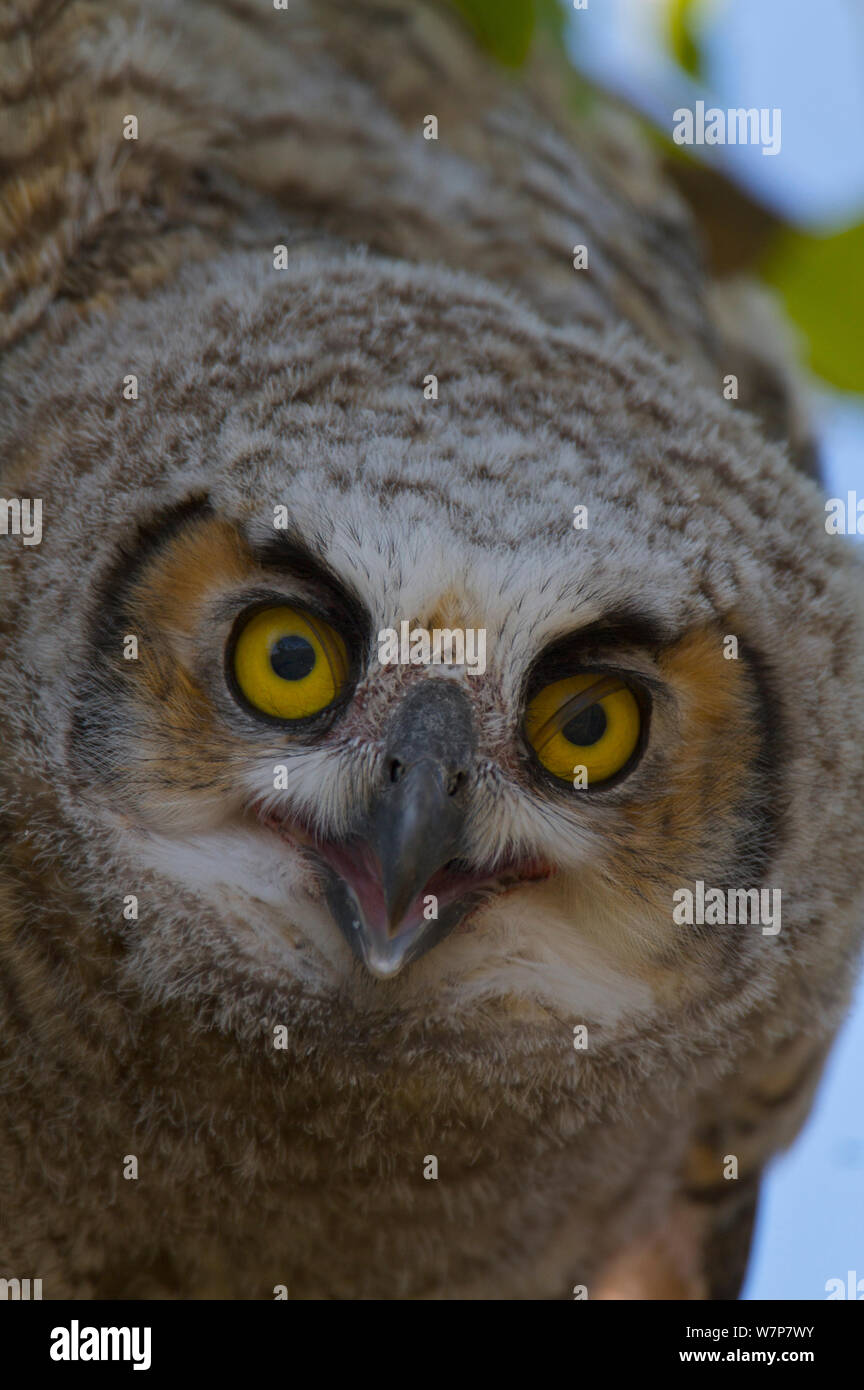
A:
[(591, 720), (289, 664)]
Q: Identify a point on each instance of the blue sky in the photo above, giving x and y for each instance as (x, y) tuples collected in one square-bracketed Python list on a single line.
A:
[(808, 60)]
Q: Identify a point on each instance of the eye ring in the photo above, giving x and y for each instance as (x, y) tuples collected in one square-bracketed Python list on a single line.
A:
[(287, 664), (591, 720)]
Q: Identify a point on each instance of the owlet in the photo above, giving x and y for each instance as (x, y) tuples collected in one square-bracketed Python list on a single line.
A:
[(431, 702)]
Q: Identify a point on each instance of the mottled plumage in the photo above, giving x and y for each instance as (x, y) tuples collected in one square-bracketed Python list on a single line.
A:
[(259, 388)]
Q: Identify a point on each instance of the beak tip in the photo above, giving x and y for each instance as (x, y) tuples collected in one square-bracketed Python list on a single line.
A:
[(382, 963)]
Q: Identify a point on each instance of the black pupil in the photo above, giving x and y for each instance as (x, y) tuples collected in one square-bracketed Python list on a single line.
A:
[(587, 727), (292, 658)]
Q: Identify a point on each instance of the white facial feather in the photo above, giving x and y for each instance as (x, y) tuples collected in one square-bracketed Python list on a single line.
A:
[(524, 947)]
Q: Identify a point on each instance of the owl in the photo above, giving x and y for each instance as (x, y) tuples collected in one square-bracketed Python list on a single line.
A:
[(431, 701)]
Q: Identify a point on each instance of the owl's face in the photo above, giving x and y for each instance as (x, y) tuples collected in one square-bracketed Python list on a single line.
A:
[(291, 813), (333, 807)]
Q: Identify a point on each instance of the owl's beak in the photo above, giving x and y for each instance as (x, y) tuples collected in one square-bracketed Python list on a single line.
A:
[(417, 829), (394, 891)]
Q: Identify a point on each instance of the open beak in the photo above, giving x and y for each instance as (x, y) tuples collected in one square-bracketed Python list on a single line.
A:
[(394, 889), (400, 883)]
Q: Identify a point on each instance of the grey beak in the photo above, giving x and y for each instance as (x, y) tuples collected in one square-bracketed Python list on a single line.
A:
[(415, 827)]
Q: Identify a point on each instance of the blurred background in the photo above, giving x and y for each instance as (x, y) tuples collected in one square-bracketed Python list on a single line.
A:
[(797, 220)]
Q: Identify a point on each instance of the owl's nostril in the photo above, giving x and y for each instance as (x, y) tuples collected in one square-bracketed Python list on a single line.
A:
[(397, 770), (455, 783)]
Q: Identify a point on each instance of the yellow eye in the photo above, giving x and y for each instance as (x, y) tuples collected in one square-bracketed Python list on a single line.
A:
[(591, 721), (289, 664)]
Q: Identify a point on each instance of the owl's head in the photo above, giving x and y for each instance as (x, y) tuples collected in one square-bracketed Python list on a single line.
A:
[(300, 818)]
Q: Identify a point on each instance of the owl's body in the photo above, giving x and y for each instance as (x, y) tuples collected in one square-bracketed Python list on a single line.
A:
[(282, 1100)]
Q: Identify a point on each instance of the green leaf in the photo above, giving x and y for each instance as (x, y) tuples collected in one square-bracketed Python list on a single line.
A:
[(821, 282), (504, 28), (683, 32), (551, 19)]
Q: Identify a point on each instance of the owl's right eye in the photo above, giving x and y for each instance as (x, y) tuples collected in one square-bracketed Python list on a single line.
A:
[(289, 664)]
